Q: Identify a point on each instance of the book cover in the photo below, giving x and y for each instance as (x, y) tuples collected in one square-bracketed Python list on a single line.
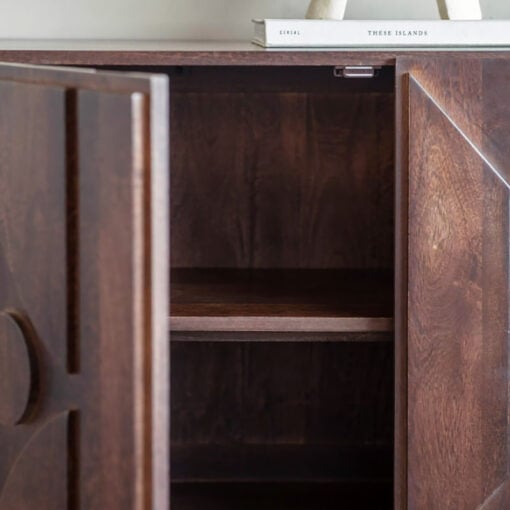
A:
[(295, 33)]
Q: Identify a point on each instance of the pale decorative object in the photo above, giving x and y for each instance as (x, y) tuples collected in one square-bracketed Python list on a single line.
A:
[(448, 9), (460, 9), (326, 9)]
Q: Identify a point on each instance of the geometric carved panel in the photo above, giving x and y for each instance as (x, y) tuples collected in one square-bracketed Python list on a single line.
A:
[(39, 474), (455, 349), (18, 372), (83, 345)]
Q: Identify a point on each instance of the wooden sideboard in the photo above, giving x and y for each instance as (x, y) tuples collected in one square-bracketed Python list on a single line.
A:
[(329, 257)]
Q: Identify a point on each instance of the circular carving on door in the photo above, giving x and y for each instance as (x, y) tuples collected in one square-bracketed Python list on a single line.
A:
[(16, 377)]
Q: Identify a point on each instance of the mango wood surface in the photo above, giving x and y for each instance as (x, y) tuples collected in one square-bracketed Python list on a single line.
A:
[(286, 395), (80, 164), (284, 411), (18, 372), (452, 353), (178, 53), (284, 169), (303, 300)]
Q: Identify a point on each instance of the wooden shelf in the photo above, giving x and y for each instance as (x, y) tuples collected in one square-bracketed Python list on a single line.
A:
[(267, 300), (289, 463), (281, 496)]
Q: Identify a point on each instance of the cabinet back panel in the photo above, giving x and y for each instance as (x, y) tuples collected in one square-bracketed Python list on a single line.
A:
[(282, 179), (282, 411), (282, 393)]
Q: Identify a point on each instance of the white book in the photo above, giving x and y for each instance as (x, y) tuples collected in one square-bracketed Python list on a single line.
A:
[(303, 33)]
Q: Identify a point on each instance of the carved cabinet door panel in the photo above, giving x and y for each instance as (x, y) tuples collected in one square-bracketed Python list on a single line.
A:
[(452, 343), (83, 290)]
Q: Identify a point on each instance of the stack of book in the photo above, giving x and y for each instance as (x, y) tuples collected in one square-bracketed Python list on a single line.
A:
[(302, 33)]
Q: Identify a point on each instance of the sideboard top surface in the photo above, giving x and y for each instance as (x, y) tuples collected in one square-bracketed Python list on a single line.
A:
[(224, 53)]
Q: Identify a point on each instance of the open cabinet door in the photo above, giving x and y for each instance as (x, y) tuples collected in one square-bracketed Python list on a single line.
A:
[(453, 178), (83, 290)]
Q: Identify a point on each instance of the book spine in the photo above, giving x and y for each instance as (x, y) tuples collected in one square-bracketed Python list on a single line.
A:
[(296, 33)]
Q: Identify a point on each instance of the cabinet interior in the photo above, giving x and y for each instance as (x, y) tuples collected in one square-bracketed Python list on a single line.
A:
[(282, 235)]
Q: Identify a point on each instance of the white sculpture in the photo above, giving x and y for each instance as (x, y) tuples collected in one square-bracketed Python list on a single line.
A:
[(448, 9), (460, 9), (326, 9)]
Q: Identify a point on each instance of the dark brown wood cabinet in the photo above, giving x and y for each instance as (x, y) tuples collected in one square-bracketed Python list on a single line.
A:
[(335, 293)]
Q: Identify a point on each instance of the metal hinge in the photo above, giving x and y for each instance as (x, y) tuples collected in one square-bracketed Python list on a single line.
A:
[(355, 71)]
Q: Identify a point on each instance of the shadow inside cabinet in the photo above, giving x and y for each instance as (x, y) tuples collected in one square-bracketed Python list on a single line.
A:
[(282, 234), (272, 496)]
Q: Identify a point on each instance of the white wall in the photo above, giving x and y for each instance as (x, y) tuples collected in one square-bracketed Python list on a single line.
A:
[(185, 19)]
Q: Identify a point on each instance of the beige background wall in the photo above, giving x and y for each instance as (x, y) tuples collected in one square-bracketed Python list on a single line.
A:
[(185, 19)]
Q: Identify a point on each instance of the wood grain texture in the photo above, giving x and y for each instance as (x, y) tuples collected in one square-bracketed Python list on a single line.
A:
[(17, 372), (281, 300), (65, 78), (285, 401), (457, 359), (271, 180), (281, 336), (39, 479), (401, 287), (273, 171), (442, 76), (34, 207), (32, 269), (496, 115), (499, 498), (111, 300), (79, 161), (168, 52), (485, 119)]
